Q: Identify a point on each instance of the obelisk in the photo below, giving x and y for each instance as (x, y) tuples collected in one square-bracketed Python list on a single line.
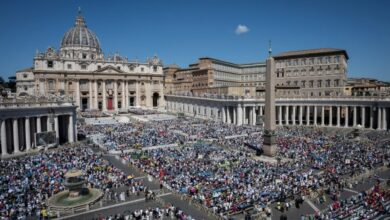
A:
[(269, 144)]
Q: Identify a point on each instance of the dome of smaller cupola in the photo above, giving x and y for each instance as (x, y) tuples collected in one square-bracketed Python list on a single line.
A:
[(80, 36)]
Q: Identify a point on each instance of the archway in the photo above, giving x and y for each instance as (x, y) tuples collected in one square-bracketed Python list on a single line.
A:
[(156, 97)]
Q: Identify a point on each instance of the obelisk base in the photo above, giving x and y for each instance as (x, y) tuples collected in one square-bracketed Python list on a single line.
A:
[(270, 145)]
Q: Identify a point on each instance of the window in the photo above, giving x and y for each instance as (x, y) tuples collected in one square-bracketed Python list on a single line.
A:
[(50, 64), (319, 83), (99, 67), (83, 67), (69, 66), (142, 69), (24, 75), (327, 83), (25, 88), (303, 84), (311, 83), (336, 82), (84, 56), (119, 68), (51, 84), (154, 68), (132, 68)]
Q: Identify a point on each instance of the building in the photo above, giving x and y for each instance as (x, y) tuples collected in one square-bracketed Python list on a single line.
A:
[(317, 72), (367, 87), (21, 119), (80, 70), (210, 75), (331, 111)]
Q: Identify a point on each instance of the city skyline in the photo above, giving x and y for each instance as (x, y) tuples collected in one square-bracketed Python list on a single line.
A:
[(180, 32)]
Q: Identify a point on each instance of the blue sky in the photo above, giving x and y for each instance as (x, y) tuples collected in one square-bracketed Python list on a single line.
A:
[(181, 31)]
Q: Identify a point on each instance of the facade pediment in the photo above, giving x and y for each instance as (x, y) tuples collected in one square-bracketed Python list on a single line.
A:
[(109, 69)]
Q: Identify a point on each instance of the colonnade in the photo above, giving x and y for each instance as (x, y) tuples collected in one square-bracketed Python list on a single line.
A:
[(369, 115), (18, 134)]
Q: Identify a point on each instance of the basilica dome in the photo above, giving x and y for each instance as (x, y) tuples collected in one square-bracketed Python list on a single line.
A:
[(80, 36)]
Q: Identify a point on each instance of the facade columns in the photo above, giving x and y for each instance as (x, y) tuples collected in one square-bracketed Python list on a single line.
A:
[(315, 115), (322, 115), (261, 110), (77, 84), (126, 94), (307, 115), (27, 133), (16, 135), (300, 115), (70, 130), (363, 112), (115, 95), (48, 124), (346, 117), (90, 94), (137, 94), (96, 95), (354, 116), (123, 106), (3, 138), (338, 116), (330, 116), (104, 101)]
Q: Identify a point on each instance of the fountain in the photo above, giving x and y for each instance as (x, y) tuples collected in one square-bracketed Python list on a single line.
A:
[(76, 196)]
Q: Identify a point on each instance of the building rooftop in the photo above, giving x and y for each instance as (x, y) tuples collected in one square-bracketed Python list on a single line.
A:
[(311, 52)]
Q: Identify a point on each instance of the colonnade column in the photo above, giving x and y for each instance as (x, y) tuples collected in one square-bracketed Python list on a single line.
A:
[(286, 112), (330, 116), (307, 115), (354, 116), (338, 116), (27, 131), (315, 115), (379, 125), (322, 115), (293, 114), (90, 95), (280, 115), (223, 114), (3, 138), (363, 115), (254, 115), (300, 115), (229, 120), (126, 94), (235, 115), (96, 95), (346, 117), (16, 135), (39, 129), (56, 128), (104, 102), (371, 117), (384, 119), (48, 124), (70, 130), (239, 115), (261, 110)]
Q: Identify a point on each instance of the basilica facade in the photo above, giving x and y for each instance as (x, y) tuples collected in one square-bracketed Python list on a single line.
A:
[(80, 70)]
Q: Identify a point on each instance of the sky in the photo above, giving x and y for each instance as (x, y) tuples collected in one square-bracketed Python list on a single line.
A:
[(181, 31)]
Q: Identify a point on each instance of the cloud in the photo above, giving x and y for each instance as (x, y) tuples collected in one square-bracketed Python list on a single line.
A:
[(241, 29)]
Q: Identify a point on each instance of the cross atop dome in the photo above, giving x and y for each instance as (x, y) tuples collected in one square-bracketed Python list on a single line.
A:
[(80, 22)]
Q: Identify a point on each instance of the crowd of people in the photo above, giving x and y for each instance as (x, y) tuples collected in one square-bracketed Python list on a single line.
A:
[(168, 212), (27, 182)]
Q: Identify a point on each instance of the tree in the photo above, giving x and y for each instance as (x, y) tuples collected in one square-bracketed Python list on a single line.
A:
[(12, 83)]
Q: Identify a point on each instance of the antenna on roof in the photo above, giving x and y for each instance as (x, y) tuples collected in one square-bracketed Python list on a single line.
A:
[(79, 10), (270, 48)]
